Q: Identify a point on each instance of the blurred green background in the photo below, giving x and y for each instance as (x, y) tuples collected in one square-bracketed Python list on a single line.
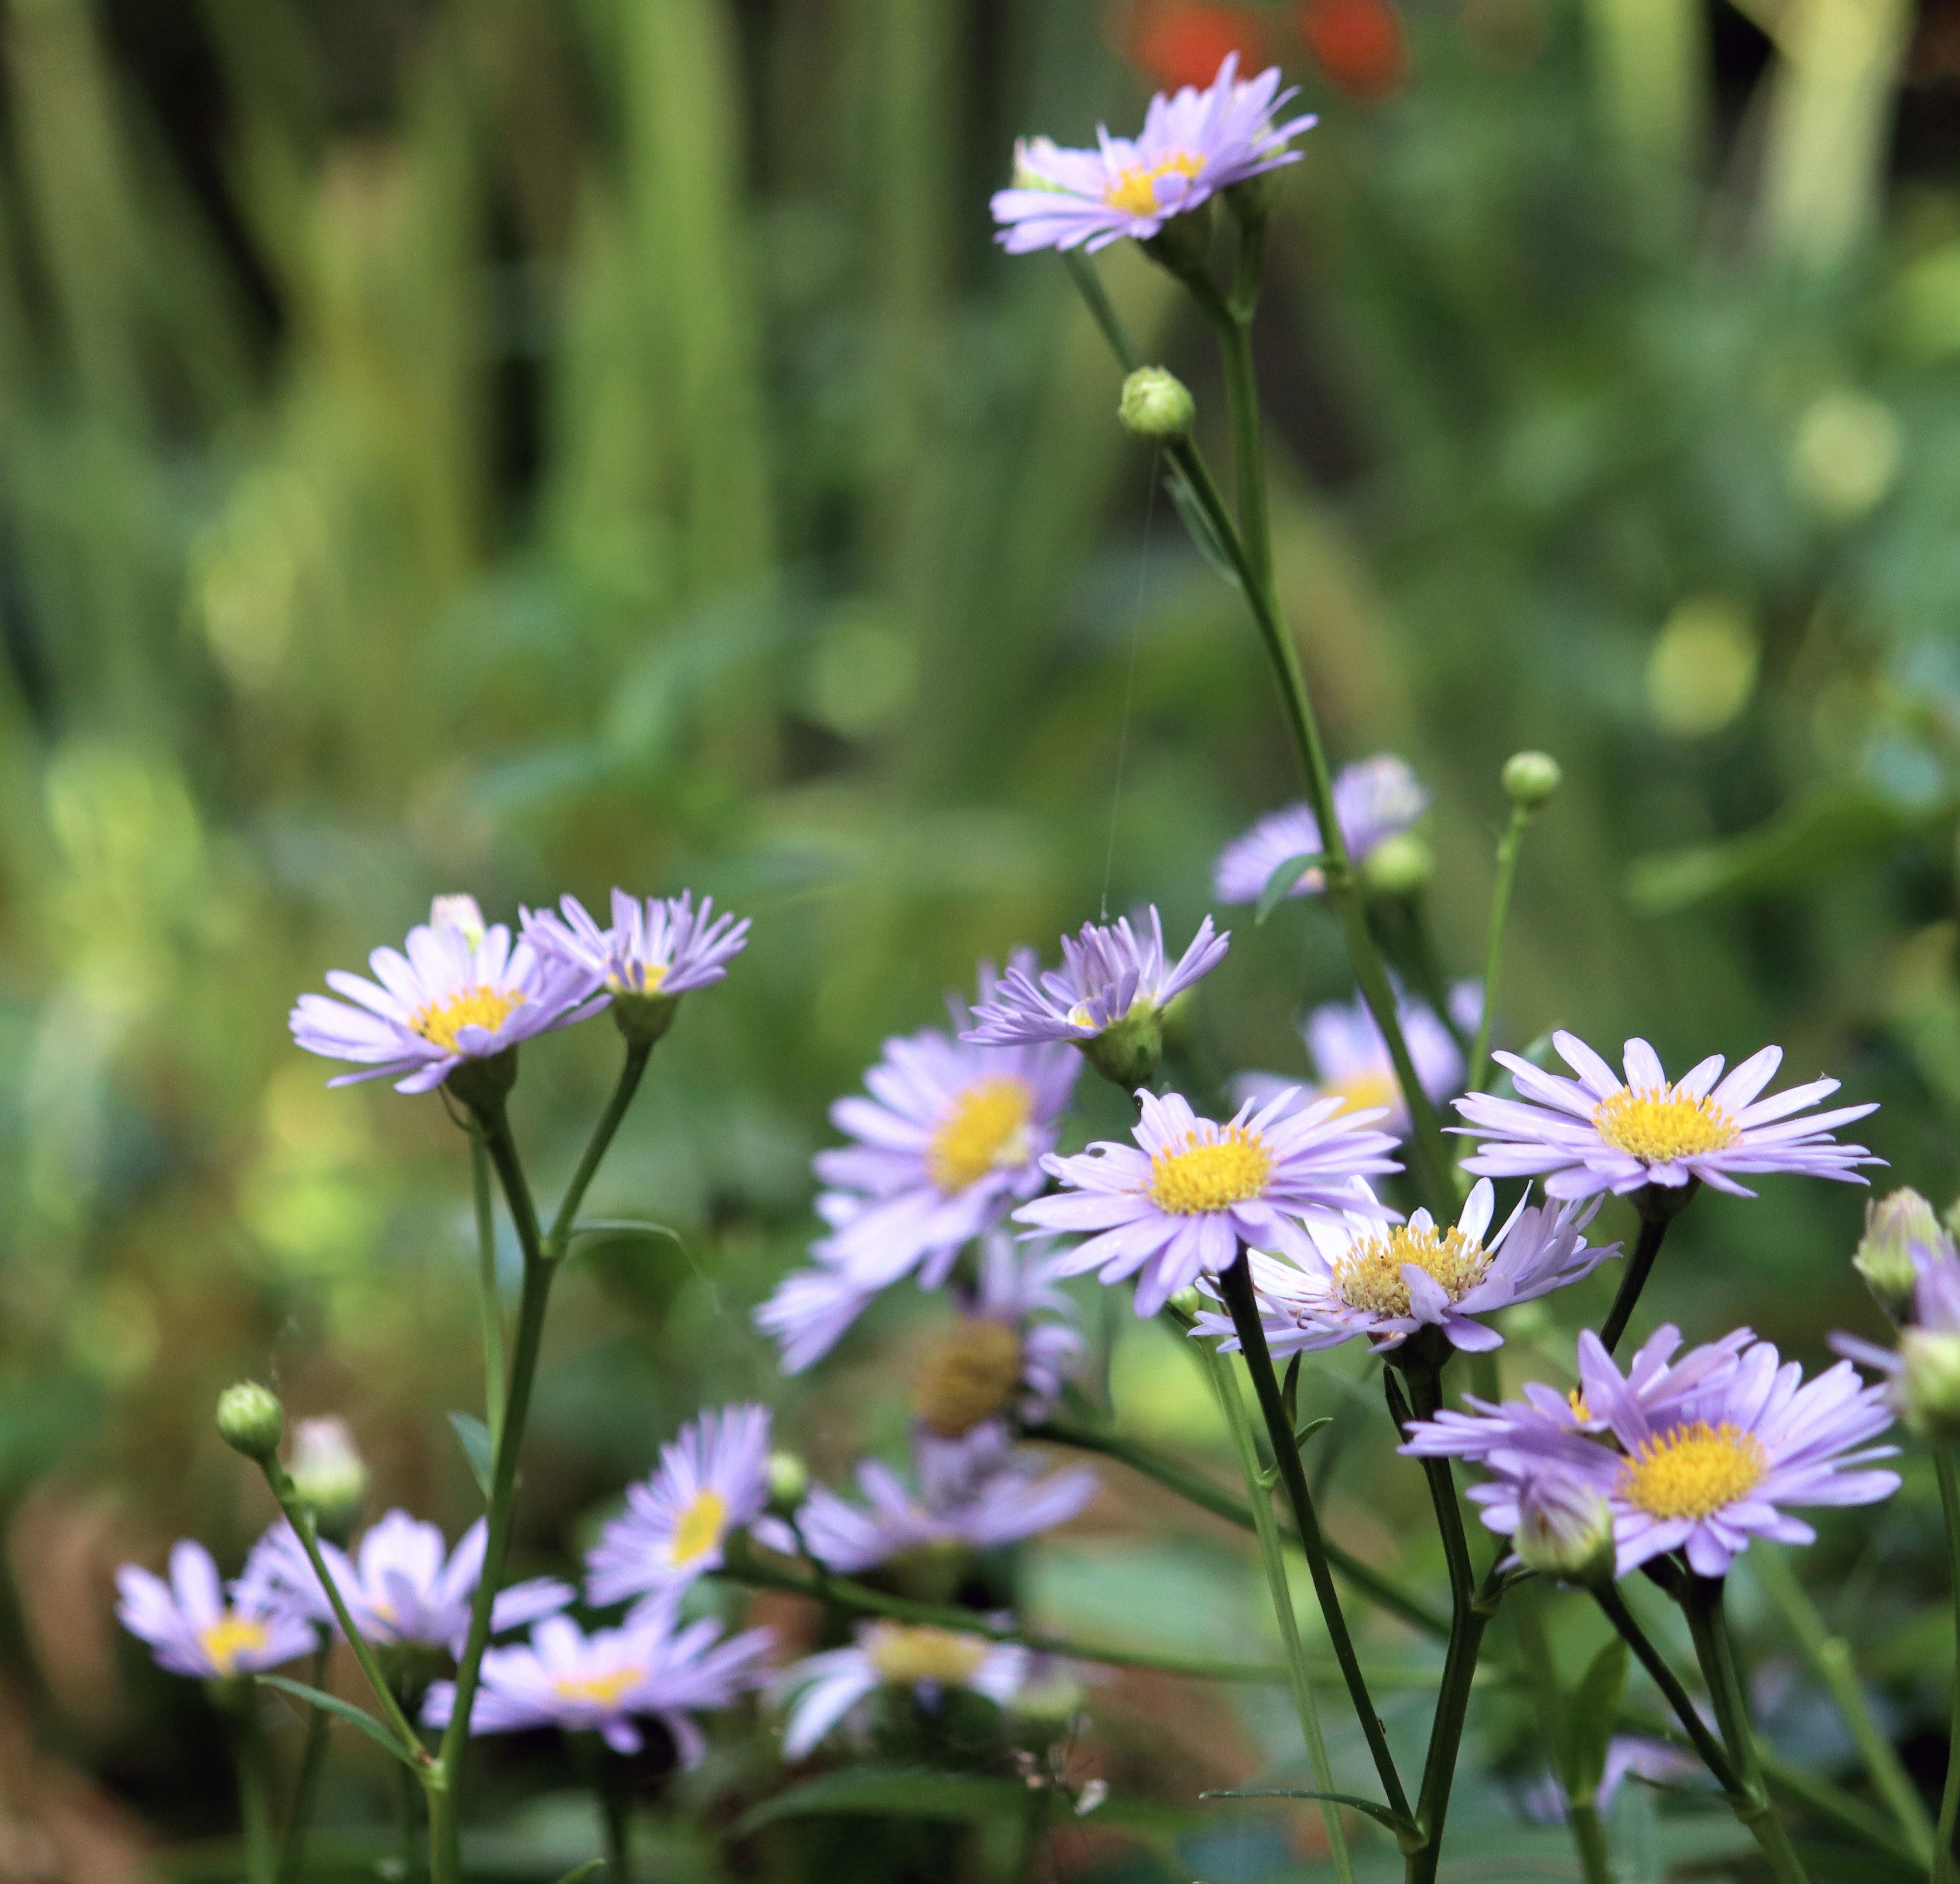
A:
[(523, 447)]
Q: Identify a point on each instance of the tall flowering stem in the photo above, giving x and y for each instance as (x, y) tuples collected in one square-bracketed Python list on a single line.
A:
[(1232, 1403), (1508, 847), (312, 1758), (255, 1807), (1658, 1207), (493, 1305), (1949, 1799), (1236, 1286), (1541, 1671)]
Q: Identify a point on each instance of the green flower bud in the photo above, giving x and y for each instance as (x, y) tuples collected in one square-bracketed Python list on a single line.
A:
[(644, 1018), (251, 1420), (1928, 1390), (1565, 1530), (1896, 1226), (1126, 1052), (1186, 1304), (1530, 778), (789, 1478), (328, 1473), (484, 1084), (1399, 865), (1156, 404)]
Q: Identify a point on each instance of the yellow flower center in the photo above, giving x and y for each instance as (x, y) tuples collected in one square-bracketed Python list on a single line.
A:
[(1657, 1126), (1580, 1411), (637, 980), (440, 1022), (1134, 190), (1369, 1277), (903, 1655), (987, 1129), (1210, 1174), (700, 1527), (1366, 1090), (1690, 1471), (603, 1691), (231, 1637), (969, 1374)]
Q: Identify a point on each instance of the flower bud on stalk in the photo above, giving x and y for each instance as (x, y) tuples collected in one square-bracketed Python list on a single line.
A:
[(1565, 1530), (1126, 1052), (1530, 778), (328, 1473), (250, 1419), (1157, 404), (789, 1480), (1399, 865), (1927, 1391), (1900, 1232)]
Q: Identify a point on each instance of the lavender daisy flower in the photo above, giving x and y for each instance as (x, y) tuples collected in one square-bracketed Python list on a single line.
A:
[(193, 1630), (1710, 1469), (1193, 145), (810, 1312), (1180, 1201), (401, 1585), (607, 1682), (1599, 1132), (447, 1001), (925, 1663), (1012, 1345), (1362, 1276), (1374, 799), (714, 1479), (952, 1135), (974, 1492), (661, 946), (1922, 1375)]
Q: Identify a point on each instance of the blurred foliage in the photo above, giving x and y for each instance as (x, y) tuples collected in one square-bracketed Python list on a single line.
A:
[(527, 448)]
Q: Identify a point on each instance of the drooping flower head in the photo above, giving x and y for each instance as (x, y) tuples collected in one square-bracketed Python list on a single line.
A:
[(448, 1000), (402, 1584), (1194, 144), (925, 1663), (975, 1493), (1600, 1132), (663, 945), (607, 1683), (1363, 1276), (192, 1628), (1180, 1201), (713, 1479), (1923, 1373), (1702, 1472), (1374, 799)]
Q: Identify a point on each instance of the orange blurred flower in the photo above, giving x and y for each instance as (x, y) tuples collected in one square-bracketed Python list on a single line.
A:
[(1185, 42), (1358, 44)]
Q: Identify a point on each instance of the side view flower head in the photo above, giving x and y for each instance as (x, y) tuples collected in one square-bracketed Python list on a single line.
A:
[(1193, 145), (923, 1662), (194, 1628), (1923, 1373), (660, 945), (1374, 799), (1180, 1201), (1600, 1132)]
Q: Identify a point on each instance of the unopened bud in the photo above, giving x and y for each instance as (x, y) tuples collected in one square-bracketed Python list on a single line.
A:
[(1565, 1530), (460, 912), (1186, 1304), (789, 1478), (1156, 404), (1399, 865), (1900, 1233), (250, 1419), (327, 1472), (1126, 1052), (1928, 1389), (1530, 778)]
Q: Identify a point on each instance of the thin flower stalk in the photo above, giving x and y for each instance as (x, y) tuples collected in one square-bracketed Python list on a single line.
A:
[(1949, 1798), (255, 1802), (1549, 1703), (490, 1299), (1509, 847), (313, 1757)]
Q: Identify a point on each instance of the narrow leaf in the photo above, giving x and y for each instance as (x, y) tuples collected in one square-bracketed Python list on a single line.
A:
[(1198, 524), (1280, 885), (624, 1227), (1290, 1391), (333, 1704), (580, 1872), (1591, 1713), (1407, 1835), (1304, 1433), (474, 1437)]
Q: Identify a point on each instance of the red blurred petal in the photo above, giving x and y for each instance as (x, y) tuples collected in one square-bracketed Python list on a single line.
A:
[(1184, 41), (1358, 44)]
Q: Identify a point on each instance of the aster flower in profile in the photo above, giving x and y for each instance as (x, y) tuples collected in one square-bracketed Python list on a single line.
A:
[(1923, 1373), (1600, 1132), (608, 1682), (924, 1663), (713, 1479), (1374, 799), (402, 1584), (975, 1493), (1705, 1471), (1107, 997), (446, 1003), (194, 1628), (1012, 1344), (1363, 1276), (1193, 145), (1180, 1201), (811, 1311)]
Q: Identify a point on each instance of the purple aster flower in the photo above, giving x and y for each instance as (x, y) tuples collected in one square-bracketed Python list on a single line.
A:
[(1193, 145), (975, 1492), (1180, 1201), (607, 1682), (925, 1663), (1599, 1132), (1363, 1276), (714, 1479), (446, 1001), (1707, 1469), (1628, 1756), (810, 1312), (1923, 1373), (193, 1630), (1107, 974), (661, 946), (1374, 799), (402, 1584)]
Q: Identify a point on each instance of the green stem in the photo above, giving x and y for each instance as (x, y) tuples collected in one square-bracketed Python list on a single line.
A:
[(1232, 1403), (255, 1809), (1442, 1484), (1653, 1228), (313, 1757), (1242, 395), (1588, 1841), (1949, 1798), (1446, 1734), (1713, 1754), (405, 1812), (1508, 846), (637, 1052), (1236, 1286), (491, 1301), (615, 1815), (1196, 1489), (1831, 1806), (1541, 1670), (445, 1839), (1096, 298), (1830, 1656)]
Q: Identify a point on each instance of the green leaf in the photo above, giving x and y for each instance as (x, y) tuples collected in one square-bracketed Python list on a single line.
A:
[(1824, 832), (625, 1227), (1199, 525), (1280, 885), (1590, 1714), (1407, 1835), (474, 1437), (333, 1704), (579, 1871), (1290, 1391), (1302, 1435)]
